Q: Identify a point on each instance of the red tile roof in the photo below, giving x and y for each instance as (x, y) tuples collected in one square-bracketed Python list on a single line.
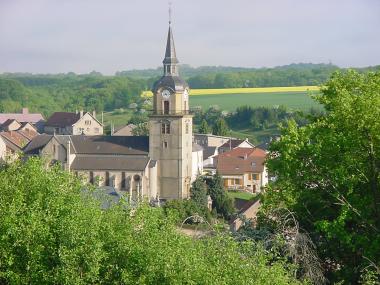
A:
[(15, 138), (29, 134), (241, 160), (21, 117)]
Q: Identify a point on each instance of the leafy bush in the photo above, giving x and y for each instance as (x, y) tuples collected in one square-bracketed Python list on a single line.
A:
[(51, 232)]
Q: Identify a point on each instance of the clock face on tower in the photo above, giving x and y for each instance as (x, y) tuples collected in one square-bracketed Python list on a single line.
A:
[(165, 94), (185, 94)]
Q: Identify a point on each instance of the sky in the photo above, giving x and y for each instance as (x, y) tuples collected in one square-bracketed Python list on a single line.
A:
[(59, 36)]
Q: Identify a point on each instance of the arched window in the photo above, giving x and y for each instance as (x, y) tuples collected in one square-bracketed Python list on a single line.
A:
[(166, 107)]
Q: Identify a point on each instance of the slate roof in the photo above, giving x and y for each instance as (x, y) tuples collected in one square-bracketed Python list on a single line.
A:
[(170, 54), (37, 143), (208, 151), (241, 160), (132, 145), (173, 82), (125, 163), (62, 119), (197, 147)]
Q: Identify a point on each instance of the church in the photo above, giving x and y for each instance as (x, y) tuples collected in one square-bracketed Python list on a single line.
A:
[(159, 167)]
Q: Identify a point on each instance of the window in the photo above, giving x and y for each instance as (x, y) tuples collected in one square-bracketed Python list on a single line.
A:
[(165, 128), (107, 178), (187, 128), (166, 107), (54, 149), (255, 176), (56, 130), (237, 181), (165, 144), (123, 182), (87, 122), (91, 177)]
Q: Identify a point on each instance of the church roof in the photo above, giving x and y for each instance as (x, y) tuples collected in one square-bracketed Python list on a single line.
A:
[(125, 163), (170, 54)]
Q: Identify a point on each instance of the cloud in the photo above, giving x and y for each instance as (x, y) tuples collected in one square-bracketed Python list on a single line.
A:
[(83, 35)]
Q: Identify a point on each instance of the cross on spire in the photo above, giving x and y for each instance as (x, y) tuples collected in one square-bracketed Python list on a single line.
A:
[(170, 13)]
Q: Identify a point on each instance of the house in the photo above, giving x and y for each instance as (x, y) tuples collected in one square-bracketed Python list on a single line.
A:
[(210, 140), (79, 123), (213, 145), (14, 125), (243, 169), (124, 130), (35, 119), (10, 125), (248, 209), (13, 143), (234, 143)]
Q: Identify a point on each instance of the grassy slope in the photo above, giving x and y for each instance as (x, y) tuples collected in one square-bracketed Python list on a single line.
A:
[(241, 195)]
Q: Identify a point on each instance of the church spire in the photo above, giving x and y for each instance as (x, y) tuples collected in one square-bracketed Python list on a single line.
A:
[(170, 61)]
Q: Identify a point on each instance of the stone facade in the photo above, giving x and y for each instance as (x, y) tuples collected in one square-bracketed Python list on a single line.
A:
[(170, 130)]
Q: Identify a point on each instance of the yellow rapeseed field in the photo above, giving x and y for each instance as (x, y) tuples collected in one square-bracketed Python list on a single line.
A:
[(198, 92)]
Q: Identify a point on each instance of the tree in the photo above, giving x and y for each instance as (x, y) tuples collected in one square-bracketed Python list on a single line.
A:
[(204, 128), (198, 193), (141, 129), (54, 232), (220, 200), (220, 128), (328, 173)]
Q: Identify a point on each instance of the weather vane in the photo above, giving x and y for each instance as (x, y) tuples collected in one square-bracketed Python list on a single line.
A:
[(170, 13)]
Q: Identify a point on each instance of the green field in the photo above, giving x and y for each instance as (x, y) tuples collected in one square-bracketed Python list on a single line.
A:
[(292, 100)]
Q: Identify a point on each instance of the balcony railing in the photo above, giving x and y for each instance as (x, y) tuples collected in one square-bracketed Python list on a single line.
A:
[(170, 113)]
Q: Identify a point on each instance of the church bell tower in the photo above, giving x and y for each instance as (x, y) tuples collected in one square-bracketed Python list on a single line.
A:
[(170, 129)]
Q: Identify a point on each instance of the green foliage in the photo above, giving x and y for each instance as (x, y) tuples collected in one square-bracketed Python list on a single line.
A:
[(138, 118), (263, 117), (52, 232), (68, 92), (141, 129), (220, 199), (329, 175), (204, 128), (220, 128)]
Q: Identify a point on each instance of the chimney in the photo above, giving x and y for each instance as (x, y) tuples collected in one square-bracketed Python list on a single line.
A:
[(94, 114), (25, 111), (81, 113)]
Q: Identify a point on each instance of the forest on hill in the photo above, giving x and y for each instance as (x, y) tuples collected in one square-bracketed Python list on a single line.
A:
[(47, 93)]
